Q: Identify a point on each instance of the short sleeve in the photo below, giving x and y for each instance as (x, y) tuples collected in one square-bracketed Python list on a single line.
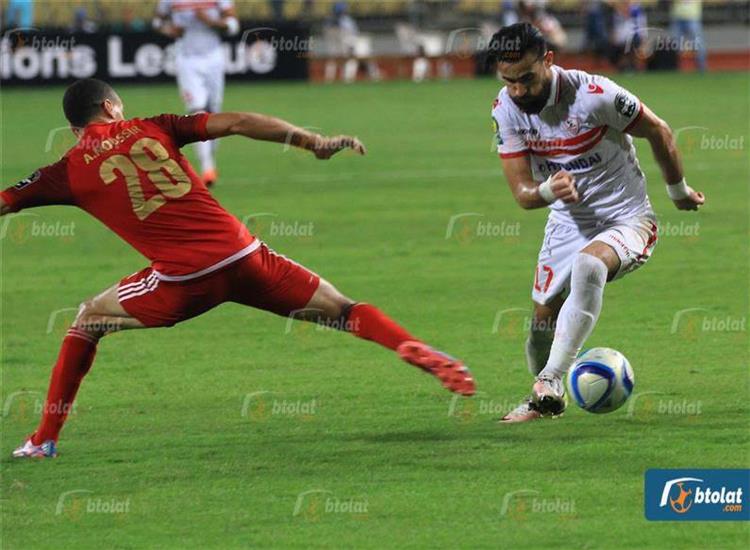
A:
[(613, 105), (46, 186), (509, 143), (183, 129)]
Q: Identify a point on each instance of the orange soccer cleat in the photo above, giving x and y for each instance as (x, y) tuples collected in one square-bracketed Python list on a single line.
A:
[(452, 373), (209, 177)]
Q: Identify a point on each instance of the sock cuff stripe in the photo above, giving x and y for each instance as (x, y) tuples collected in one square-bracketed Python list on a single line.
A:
[(82, 335)]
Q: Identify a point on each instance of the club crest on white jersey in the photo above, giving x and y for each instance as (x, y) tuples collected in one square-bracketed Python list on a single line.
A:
[(582, 129)]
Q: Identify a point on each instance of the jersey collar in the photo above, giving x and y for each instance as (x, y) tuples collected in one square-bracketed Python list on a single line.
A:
[(554, 90)]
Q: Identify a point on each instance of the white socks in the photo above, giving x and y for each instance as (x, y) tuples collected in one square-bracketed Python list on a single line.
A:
[(578, 314), (205, 152)]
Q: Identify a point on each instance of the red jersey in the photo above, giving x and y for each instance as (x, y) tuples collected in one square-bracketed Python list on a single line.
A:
[(132, 177)]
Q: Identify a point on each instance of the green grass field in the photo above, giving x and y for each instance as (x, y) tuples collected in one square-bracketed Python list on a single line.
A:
[(239, 429)]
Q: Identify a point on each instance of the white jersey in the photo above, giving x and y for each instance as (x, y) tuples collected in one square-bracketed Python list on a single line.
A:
[(198, 38), (582, 130)]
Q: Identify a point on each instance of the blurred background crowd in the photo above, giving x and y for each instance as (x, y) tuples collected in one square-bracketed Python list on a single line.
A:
[(359, 39)]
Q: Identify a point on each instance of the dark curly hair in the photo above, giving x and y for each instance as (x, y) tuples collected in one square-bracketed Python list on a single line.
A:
[(511, 44)]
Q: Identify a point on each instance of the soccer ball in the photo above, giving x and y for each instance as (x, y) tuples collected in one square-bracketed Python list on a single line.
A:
[(601, 380)]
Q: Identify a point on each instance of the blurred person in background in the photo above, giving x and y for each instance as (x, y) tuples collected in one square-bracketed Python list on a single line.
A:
[(277, 9), (420, 69), (629, 35), (686, 16), (344, 40), (20, 14), (199, 60), (508, 13), (129, 21), (533, 12), (595, 30), (82, 22)]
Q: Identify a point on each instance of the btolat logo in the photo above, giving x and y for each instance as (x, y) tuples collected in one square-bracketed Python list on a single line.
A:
[(697, 495), (685, 496)]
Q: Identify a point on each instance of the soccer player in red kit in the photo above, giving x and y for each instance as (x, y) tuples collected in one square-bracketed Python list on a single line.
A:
[(131, 176)]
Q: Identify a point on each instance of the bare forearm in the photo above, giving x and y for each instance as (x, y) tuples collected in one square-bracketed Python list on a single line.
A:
[(659, 135), (527, 196), (666, 153), (268, 128)]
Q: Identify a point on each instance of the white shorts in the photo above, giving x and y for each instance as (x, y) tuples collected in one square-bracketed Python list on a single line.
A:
[(633, 240), (201, 80)]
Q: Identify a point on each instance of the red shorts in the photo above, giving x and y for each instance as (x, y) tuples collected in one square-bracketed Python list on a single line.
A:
[(262, 279)]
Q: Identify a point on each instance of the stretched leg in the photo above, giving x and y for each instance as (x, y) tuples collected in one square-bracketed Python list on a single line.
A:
[(576, 321), (96, 318), (537, 350), (274, 283), (329, 306), (541, 334)]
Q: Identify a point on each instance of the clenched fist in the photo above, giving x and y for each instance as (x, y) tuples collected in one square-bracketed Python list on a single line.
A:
[(693, 201), (563, 186)]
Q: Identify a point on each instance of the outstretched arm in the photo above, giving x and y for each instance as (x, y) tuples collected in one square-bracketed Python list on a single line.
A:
[(268, 128), (660, 137)]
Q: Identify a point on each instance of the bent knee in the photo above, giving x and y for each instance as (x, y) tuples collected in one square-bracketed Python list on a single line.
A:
[(86, 310), (330, 301), (591, 269), (93, 321)]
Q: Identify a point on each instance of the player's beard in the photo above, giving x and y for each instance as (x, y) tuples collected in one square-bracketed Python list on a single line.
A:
[(533, 105)]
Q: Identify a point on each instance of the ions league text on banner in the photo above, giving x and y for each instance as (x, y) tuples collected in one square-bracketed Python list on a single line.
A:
[(31, 56)]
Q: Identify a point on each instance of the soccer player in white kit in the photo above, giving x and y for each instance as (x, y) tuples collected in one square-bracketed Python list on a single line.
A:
[(196, 26), (565, 141)]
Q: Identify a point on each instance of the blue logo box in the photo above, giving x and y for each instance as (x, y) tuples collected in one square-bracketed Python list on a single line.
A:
[(697, 495)]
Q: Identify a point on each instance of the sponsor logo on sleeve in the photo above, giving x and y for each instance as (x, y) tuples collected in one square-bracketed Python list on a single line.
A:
[(697, 495), (28, 181), (625, 105)]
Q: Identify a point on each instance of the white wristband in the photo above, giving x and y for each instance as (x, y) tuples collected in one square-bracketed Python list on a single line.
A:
[(678, 191), (545, 191)]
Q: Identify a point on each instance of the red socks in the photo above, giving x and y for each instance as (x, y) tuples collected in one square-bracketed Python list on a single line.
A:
[(75, 359), (369, 323), (79, 348)]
